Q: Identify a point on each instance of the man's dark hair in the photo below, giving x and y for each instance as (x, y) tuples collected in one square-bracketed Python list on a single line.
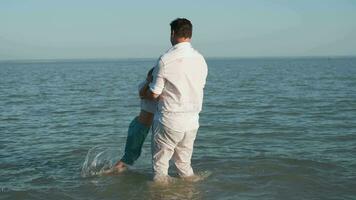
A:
[(182, 28)]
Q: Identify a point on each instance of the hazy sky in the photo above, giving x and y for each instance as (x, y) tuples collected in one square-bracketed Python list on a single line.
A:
[(36, 29)]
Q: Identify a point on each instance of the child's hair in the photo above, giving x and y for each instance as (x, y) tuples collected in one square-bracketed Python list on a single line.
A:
[(150, 72)]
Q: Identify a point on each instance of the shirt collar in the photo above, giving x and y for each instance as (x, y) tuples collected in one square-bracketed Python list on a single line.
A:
[(182, 45)]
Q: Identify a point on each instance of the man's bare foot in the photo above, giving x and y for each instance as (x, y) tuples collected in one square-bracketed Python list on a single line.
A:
[(162, 180), (193, 178)]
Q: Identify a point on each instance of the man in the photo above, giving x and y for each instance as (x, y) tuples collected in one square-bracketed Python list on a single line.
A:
[(178, 81)]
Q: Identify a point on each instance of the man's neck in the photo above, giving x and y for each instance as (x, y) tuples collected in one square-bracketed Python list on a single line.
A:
[(180, 40)]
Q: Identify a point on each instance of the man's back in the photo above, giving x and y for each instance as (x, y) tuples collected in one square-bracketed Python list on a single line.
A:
[(184, 72)]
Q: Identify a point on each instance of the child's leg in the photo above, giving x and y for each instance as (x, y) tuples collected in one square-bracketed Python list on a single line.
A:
[(137, 133)]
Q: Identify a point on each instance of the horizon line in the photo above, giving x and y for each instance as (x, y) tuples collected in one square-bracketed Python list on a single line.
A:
[(153, 58)]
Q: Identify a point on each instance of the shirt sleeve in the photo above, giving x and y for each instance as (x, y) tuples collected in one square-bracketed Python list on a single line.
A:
[(157, 84)]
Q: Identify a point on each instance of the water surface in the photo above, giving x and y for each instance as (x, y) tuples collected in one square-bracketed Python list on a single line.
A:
[(270, 129)]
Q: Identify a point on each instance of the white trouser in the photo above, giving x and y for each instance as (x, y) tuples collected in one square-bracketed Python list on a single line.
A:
[(167, 144)]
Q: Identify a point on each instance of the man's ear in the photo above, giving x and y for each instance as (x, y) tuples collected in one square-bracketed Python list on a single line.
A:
[(172, 34)]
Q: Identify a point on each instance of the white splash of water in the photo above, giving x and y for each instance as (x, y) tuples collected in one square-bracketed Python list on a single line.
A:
[(99, 160)]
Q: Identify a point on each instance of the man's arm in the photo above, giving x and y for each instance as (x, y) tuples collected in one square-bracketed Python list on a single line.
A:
[(154, 83)]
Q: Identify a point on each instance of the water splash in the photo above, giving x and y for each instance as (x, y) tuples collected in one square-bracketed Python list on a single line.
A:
[(98, 160)]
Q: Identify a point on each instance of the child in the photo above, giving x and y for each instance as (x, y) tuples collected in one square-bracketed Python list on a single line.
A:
[(137, 132)]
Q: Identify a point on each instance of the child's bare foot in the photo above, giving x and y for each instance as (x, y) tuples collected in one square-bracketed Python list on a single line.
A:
[(119, 167)]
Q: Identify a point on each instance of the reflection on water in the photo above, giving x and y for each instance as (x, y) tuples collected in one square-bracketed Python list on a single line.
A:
[(178, 189)]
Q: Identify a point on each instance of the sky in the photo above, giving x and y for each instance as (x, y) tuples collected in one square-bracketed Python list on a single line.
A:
[(69, 29)]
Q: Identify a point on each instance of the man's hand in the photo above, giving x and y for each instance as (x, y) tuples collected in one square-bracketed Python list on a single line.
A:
[(146, 93), (152, 95)]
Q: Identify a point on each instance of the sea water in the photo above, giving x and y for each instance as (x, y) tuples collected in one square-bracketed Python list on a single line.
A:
[(271, 128)]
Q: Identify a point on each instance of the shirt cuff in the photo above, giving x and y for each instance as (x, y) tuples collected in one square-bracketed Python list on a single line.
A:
[(155, 89)]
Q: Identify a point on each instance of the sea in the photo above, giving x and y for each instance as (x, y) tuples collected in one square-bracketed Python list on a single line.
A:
[(270, 128)]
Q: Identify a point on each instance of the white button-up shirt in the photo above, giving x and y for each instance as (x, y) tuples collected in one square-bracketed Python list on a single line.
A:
[(179, 78)]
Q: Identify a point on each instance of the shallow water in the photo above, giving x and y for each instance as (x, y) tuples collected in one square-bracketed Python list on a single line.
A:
[(270, 129)]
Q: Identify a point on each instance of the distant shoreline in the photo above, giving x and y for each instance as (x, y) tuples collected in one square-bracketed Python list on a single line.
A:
[(150, 59)]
